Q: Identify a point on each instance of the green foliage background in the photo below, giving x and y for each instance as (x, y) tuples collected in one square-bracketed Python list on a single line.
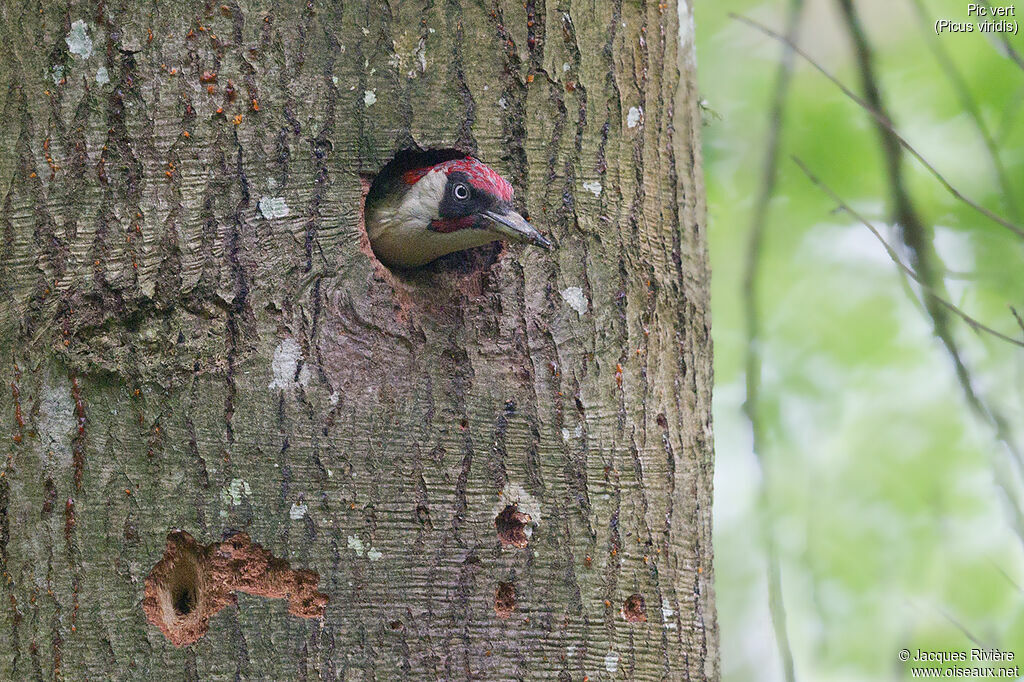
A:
[(881, 485)]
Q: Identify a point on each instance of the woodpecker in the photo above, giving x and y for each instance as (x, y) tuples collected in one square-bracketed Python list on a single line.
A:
[(420, 214)]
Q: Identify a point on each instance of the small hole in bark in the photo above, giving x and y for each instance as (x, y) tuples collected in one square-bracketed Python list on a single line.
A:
[(634, 609), (192, 582), (183, 583), (184, 600), (512, 525), (662, 422), (505, 600)]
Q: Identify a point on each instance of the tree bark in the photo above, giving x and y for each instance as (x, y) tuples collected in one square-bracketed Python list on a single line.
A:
[(496, 467)]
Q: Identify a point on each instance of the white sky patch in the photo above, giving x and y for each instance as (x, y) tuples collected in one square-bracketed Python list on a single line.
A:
[(565, 67), (954, 248), (611, 661), (234, 493), (575, 298), (356, 544), (78, 40), (594, 187), (298, 511), (285, 362), (273, 207), (847, 243), (634, 117), (102, 76), (956, 252), (369, 97), (733, 493)]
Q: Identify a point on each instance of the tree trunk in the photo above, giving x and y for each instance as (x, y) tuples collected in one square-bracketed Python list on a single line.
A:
[(496, 467)]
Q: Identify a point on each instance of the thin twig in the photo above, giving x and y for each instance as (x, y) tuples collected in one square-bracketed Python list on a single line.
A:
[(970, 105), (1016, 315), (885, 123), (971, 322), (751, 406), (917, 237), (1002, 474), (1012, 53)]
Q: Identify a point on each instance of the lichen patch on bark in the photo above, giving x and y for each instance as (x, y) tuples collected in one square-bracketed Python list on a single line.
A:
[(192, 582)]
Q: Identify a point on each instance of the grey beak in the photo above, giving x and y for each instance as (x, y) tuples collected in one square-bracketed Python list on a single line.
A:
[(515, 227)]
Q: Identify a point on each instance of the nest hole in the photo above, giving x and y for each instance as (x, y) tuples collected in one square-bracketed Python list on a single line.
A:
[(513, 527)]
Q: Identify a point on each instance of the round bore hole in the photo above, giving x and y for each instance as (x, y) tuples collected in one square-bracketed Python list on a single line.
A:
[(634, 609), (182, 586), (512, 527), (505, 600)]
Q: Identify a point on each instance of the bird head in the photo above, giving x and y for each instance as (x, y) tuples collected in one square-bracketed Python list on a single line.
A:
[(424, 213)]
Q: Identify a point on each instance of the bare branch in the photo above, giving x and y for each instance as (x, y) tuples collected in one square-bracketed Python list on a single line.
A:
[(971, 322), (1002, 475), (884, 122), (970, 105), (751, 406), (1011, 53)]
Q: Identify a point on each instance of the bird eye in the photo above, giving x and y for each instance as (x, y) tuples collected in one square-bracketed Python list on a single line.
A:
[(461, 192)]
